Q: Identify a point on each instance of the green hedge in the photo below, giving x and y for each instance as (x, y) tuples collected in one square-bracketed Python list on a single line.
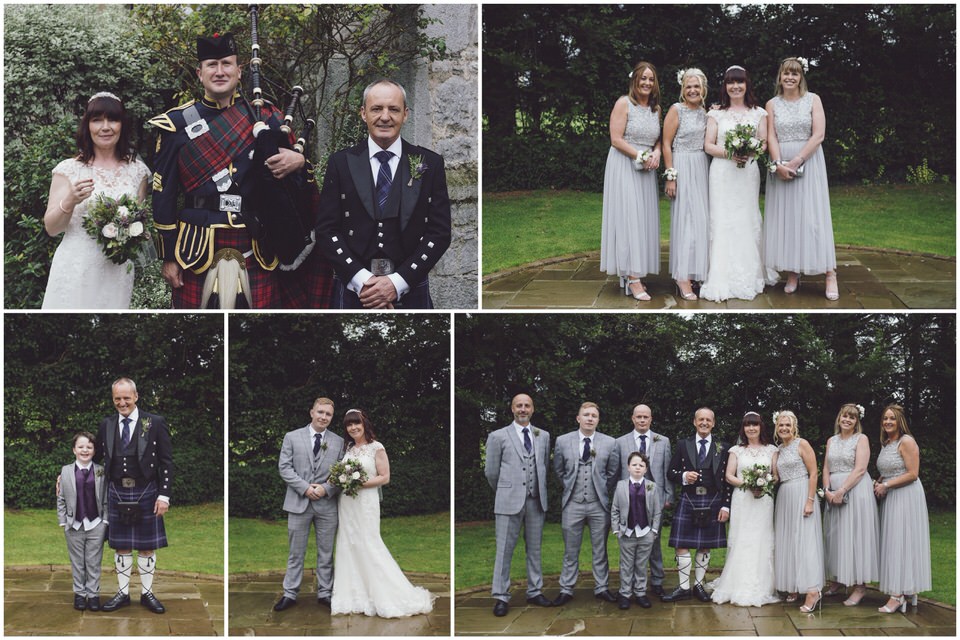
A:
[(538, 162)]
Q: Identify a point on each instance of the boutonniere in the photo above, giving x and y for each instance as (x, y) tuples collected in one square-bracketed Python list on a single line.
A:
[(593, 453), (536, 432), (323, 446), (417, 168), (719, 449), (98, 472), (656, 438), (147, 423)]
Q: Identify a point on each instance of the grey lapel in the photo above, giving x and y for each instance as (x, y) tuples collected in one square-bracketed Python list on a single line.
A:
[(359, 165), (517, 444), (142, 439), (409, 195)]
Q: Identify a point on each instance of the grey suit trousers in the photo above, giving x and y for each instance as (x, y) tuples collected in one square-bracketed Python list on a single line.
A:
[(508, 532), (634, 554), (575, 516), (323, 515), (86, 554)]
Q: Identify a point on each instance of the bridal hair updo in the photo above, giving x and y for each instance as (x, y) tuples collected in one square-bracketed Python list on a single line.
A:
[(852, 411), (359, 416), (792, 64), (794, 425), (901, 419), (634, 93), (737, 74), (752, 417), (693, 72), (112, 109)]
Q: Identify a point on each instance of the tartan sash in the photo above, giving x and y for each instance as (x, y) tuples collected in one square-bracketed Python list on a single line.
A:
[(230, 134)]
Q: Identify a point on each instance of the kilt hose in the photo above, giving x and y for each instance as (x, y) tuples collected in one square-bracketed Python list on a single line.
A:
[(684, 534), (149, 533)]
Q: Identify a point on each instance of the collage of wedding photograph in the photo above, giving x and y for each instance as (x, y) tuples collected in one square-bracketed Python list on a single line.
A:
[(479, 319)]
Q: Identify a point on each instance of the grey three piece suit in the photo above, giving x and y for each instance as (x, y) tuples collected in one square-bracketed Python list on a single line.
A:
[(635, 551), (520, 481), (84, 547), (299, 468)]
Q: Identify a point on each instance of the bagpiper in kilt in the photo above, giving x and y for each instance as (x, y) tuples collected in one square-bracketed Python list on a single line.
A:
[(135, 450)]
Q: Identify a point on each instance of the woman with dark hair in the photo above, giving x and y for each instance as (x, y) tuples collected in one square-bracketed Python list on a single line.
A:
[(81, 277), (630, 233), (367, 579), (747, 577), (904, 522), (736, 265)]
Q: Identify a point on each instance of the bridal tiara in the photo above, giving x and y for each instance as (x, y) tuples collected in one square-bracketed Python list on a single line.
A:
[(734, 66), (103, 94)]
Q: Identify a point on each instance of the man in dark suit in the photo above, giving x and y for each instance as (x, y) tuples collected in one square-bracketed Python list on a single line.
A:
[(384, 217), (134, 448), (700, 465)]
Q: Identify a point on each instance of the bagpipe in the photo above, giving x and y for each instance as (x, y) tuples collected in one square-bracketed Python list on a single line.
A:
[(283, 216)]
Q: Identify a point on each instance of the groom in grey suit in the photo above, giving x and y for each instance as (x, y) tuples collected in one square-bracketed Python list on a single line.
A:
[(516, 468), (305, 460), (586, 462), (657, 449)]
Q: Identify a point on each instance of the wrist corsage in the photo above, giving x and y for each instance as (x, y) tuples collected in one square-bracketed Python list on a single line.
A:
[(670, 174), (641, 159)]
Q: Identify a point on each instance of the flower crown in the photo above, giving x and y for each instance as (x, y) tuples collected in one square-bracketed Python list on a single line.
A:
[(803, 63), (103, 94)]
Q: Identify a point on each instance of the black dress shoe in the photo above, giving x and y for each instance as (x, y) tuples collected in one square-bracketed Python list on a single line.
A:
[(93, 604), (117, 601), (643, 601), (562, 599), (605, 595), (325, 601), (701, 593), (79, 603), (284, 603), (677, 595), (541, 601), (623, 603), (150, 602), (500, 608), (657, 589)]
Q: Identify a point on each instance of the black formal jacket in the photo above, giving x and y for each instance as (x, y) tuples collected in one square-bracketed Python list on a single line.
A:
[(347, 228), (685, 459), (153, 448)]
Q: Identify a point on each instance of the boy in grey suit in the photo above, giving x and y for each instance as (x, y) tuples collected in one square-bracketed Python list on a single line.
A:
[(516, 468), (82, 512), (305, 460), (635, 514)]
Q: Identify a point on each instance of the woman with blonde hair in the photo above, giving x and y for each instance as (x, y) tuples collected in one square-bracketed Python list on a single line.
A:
[(904, 522), (687, 167), (798, 551), (851, 526), (630, 235)]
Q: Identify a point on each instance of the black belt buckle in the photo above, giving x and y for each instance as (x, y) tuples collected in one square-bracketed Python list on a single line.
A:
[(128, 483), (381, 266)]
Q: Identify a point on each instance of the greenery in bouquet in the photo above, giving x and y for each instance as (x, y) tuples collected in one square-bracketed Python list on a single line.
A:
[(121, 227), (742, 140), (759, 478), (348, 475)]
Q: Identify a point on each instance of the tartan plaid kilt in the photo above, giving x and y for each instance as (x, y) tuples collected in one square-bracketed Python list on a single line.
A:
[(149, 533), (264, 288), (309, 286), (686, 535)]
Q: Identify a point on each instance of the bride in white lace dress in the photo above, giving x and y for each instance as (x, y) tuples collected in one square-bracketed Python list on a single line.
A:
[(747, 579), (736, 264), (81, 277), (366, 578)]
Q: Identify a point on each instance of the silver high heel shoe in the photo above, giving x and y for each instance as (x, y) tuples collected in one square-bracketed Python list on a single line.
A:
[(643, 296), (901, 605), (691, 296), (819, 603), (788, 288)]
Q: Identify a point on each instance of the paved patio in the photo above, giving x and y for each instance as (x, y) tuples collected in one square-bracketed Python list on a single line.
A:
[(252, 597), (868, 279), (587, 616), (38, 601)]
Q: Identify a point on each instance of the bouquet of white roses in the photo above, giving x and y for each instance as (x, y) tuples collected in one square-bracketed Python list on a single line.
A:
[(348, 475), (742, 140), (758, 477), (121, 227)]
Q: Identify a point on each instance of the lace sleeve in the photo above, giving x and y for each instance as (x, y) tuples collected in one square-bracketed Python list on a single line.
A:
[(142, 171), (68, 168)]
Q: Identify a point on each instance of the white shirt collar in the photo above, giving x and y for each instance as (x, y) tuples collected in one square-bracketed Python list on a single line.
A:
[(134, 416), (80, 465), (709, 439), (396, 148), (582, 436)]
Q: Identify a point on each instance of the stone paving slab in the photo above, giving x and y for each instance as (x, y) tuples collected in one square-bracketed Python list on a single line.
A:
[(252, 599), (868, 279), (39, 601)]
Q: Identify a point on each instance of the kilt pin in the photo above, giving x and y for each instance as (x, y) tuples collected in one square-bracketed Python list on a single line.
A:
[(710, 492)]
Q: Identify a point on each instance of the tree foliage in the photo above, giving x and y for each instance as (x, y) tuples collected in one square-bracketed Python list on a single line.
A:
[(58, 369), (394, 367), (810, 364), (551, 74)]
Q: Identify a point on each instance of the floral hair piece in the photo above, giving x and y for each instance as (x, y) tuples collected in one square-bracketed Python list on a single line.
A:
[(680, 75), (776, 416), (103, 94), (860, 410), (803, 63)]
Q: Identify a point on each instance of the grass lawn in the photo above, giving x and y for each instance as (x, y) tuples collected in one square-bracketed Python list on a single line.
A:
[(195, 535), (418, 543), (475, 546), (521, 227)]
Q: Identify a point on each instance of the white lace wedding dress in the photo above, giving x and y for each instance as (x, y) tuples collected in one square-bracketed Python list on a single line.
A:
[(747, 577), (736, 264), (81, 277), (366, 578)]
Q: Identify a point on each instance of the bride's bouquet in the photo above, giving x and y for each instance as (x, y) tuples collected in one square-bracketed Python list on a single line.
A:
[(348, 475), (121, 227), (758, 479), (742, 140)]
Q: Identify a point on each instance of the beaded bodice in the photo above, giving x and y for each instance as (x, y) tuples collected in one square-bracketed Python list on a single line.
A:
[(789, 463), (890, 463), (793, 119), (690, 132), (643, 127), (842, 454)]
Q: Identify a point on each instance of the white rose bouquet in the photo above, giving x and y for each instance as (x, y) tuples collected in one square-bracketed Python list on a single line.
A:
[(121, 227), (742, 140), (758, 479), (349, 475)]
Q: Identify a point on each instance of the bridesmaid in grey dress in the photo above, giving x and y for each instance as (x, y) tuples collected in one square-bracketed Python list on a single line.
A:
[(797, 228), (630, 236), (798, 559), (904, 523), (687, 176), (851, 527)]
